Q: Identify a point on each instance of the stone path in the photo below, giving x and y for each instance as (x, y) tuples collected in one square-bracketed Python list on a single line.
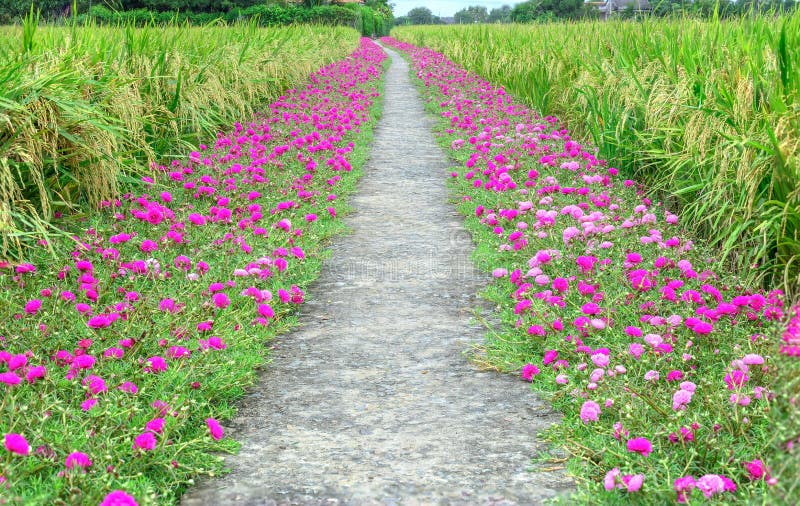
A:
[(371, 400)]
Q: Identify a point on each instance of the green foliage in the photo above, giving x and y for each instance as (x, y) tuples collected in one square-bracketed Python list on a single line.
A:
[(546, 10), (500, 15), (422, 16), (471, 14)]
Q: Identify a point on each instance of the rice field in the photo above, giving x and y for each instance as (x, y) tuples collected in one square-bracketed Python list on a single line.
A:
[(85, 109), (705, 114)]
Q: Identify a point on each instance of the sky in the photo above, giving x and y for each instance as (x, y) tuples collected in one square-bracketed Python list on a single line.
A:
[(445, 8)]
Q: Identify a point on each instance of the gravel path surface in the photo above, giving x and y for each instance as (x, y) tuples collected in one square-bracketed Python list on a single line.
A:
[(370, 400)]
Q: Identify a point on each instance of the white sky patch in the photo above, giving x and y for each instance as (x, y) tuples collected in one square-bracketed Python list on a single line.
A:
[(445, 8)]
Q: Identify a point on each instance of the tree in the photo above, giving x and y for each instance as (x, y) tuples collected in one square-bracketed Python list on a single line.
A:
[(471, 14), (422, 16), (545, 10), (526, 12), (500, 15)]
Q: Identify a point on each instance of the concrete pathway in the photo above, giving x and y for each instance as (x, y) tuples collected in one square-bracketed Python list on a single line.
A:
[(371, 400)]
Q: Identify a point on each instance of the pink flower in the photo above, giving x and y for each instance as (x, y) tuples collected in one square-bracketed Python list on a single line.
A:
[(118, 498), (128, 388), (735, 379), (215, 428), (77, 459), (633, 482), (712, 484), (16, 443), (640, 445), (529, 371), (753, 359), (684, 486), (756, 469), (680, 399), (610, 480), (600, 359), (590, 411), (146, 441), (636, 350)]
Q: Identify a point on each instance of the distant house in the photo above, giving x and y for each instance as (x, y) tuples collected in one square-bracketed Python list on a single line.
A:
[(609, 7)]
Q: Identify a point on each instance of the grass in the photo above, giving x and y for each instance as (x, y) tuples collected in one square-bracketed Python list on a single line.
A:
[(705, 114), (86, 109)]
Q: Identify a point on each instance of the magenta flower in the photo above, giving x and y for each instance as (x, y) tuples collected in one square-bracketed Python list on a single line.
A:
[(10, 379), (77, 459), (148, 246), (215, 429), (266, 311), (736, 379), (33, 306), (35, 373), (220, 300), (16, 443), (99, 321), (145, 441), (95, 384), (155, 425), (529, 371), (128, 387), (118, 498), (155, 364), (633, 483), (640, 445)]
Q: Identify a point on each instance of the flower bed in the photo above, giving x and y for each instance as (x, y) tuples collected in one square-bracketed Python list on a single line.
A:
[(119, 362), (665, 371)]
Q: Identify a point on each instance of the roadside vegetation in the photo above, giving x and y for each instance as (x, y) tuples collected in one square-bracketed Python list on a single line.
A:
[(121, 355), (703, 113), (676, 382)]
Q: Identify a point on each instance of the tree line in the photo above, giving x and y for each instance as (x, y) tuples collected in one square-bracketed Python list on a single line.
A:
[(547, 10), (15, 10)]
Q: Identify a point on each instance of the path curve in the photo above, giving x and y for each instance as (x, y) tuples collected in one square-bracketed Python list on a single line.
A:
[(371, 400)]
